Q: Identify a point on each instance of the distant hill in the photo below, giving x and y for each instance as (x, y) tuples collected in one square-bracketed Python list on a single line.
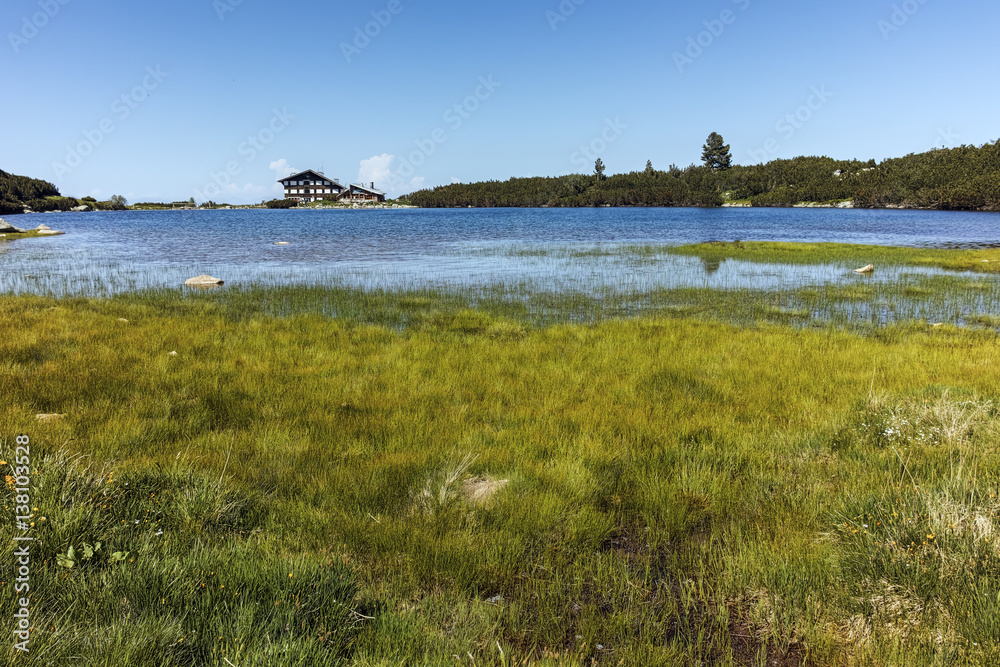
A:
[(17, 191), (963, 178)]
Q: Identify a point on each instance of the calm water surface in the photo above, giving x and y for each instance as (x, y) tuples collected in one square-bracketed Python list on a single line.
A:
[(114, 251)]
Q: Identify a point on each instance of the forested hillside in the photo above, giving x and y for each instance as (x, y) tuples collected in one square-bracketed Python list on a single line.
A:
[(963, 178), (16, 191)]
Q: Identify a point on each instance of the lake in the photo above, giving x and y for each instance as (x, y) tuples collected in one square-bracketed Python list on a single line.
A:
[(108, 252)]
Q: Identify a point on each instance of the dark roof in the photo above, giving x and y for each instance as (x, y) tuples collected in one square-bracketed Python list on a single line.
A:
[(315, 176), (367, 189)]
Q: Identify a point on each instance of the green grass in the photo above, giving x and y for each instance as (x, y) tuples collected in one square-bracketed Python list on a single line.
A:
[(29, 234), (158, 567), (510, 477), (979, 260)]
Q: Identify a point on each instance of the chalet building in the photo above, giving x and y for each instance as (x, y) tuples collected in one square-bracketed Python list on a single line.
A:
[(309, 186), (363, 193)]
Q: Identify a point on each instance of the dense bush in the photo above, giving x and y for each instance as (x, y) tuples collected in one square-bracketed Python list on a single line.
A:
[(52, 204), (10, 208), (281, 203), (21, 188)]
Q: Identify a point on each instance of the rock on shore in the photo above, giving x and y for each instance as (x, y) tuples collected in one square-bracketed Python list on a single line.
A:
[(203, 281), (7, 228)]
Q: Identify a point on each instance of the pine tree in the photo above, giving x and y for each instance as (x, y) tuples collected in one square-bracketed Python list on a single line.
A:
[(649, 167), (715, 153), (599, 169)]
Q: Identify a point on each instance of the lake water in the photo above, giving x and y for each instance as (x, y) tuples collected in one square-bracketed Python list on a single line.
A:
[(109, 252)]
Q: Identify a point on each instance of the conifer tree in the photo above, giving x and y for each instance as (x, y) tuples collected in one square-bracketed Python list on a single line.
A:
[(599, 169), (715, 153)]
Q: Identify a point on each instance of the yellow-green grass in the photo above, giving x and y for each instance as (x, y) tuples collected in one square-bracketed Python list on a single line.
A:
[(677, 491), (772, 252), (30, 234)]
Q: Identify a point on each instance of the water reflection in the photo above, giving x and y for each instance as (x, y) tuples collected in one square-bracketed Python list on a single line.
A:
[(711, 265)]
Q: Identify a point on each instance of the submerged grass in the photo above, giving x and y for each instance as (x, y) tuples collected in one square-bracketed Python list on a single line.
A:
[(860, 304), (476, 478)]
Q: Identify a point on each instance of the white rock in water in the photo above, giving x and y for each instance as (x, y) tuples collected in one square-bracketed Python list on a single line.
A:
[(42, 228), (203, 281), (49, 232), (7, 227), (282, 243), (865, 269)]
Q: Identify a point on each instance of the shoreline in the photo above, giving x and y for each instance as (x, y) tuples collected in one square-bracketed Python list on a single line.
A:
[(394, 207)]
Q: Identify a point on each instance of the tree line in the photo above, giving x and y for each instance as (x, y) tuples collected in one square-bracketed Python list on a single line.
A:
[(20, 192), (962, 178)]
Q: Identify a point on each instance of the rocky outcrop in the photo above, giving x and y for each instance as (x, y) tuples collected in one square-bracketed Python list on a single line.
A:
[(7, 228)]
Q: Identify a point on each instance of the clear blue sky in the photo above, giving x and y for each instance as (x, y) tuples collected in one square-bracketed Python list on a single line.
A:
[(154, 100)]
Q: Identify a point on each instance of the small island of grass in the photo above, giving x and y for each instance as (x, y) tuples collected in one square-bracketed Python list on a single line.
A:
[(980, 260)]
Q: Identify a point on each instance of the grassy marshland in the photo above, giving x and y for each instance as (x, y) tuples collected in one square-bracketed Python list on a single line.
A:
[(498, 485), (772, 252)]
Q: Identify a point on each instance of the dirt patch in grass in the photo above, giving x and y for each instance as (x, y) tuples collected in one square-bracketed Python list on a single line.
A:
[(748, 647)]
